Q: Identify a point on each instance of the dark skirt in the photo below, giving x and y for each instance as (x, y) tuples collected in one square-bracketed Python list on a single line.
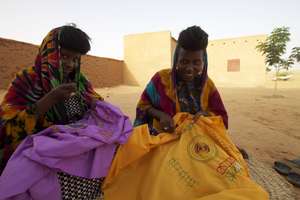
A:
[(78, 188)]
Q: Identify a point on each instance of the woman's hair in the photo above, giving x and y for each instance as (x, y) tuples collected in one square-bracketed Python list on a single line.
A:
[(74, 39), (193, 38)]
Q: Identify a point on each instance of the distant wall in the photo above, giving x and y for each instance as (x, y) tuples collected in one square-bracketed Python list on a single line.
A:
[(15, 55), (103, 72), (173, 46), (144, 55), (251, 71)]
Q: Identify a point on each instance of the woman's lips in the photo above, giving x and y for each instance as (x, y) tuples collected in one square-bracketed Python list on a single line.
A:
[(188, 77)]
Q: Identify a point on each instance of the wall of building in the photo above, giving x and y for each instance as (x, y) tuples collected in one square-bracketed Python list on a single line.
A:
[(252, 66), (103, 72), (15, 55), (144, 55), (173, 46)]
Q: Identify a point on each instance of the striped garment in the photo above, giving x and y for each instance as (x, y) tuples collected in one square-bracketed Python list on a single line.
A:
[(166, 93)]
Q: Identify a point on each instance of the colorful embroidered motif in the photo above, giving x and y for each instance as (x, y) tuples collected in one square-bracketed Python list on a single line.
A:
[(202, 148), (230, 168)]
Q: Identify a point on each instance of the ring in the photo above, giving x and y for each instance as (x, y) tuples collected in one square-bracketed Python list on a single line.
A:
[(165, 128), (72, 94)]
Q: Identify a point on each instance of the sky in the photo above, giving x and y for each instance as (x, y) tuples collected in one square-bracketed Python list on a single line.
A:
[(107, 21)]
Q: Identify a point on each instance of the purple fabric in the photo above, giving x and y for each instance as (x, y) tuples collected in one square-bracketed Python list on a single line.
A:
[(84, 149)]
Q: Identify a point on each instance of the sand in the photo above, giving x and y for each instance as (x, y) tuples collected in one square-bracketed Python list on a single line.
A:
[(268, 127)]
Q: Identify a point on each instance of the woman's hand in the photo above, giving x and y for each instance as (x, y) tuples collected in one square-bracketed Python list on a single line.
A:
[(94, 103), (166, 122), (199, 114), (243, 152), (62, 92), (58, 94)]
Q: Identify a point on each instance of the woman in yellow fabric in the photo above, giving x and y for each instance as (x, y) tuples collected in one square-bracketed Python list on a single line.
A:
[(197, 161), (184, 88)]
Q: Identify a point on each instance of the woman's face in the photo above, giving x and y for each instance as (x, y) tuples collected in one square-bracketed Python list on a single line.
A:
[(189, 64), (69, 61)]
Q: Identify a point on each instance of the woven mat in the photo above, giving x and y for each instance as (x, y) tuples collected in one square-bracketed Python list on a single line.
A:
[(271, 181)]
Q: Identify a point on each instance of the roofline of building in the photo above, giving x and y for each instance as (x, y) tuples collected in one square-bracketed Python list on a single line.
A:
[(114, 59), (18, 41), (232, 38), (145, 33), (26, 43), (241, 37)]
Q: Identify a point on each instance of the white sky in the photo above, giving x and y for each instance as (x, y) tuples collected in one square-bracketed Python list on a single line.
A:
[(108, 21)]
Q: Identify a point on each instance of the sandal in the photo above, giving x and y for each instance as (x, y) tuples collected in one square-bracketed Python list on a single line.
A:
[(282, 167), (290, 168), (296, 162), (294, 178)]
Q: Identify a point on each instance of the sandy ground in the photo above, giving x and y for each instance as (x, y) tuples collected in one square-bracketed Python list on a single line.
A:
[(267, 127)]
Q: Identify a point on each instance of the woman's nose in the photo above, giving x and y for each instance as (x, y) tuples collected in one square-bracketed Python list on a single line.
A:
[(189, 68), (70, 62)]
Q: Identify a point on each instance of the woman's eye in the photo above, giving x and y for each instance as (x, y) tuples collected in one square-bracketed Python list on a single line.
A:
[(64, 57), (183, 62), (197, 62)]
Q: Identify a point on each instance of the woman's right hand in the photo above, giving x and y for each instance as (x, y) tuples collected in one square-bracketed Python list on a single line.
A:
[(62, 92), (56, 95), (166, 122)]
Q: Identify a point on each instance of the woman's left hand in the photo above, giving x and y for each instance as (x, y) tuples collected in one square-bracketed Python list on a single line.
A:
[(93, 104), (199, 114), (243, 152)]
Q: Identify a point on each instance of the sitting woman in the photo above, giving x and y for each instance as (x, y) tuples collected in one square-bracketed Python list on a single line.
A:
[(57, 124), (184, 88), (196, 161), (40, 95)]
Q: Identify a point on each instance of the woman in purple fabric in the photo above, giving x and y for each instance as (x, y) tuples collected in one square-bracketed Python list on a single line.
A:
[(53, 122)]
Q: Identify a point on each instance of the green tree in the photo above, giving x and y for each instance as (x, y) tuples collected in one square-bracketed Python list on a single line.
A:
[(274, 47), (286, 63), (296, 54)]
